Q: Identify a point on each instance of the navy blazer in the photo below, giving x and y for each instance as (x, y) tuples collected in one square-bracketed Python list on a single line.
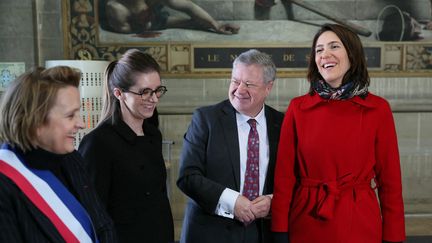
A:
[(210, 162)]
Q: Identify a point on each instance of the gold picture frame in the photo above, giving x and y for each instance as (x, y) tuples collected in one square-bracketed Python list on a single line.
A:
[(190, 58)]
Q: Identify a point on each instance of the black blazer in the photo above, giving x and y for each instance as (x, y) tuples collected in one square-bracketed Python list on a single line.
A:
[(21, 220), (209, 164)]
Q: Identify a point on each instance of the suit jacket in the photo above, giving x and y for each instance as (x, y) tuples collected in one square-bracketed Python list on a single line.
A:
[(21, 220), (210, 162)]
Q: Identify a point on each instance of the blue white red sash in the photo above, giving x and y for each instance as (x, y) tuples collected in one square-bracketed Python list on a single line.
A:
[(50, 196)]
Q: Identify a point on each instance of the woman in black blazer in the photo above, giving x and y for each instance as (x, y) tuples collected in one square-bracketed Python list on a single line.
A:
[(125, 151)]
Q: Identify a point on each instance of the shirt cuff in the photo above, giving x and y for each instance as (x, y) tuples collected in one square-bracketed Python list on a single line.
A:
[(225, 207)]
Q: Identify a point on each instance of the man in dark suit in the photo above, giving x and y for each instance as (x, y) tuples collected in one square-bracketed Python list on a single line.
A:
[(217, 157)]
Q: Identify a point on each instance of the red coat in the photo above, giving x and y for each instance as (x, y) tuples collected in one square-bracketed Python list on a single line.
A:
[(328, 153)]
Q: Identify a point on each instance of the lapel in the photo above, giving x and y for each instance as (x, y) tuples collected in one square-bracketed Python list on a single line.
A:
[(273, 131), (228, 123)]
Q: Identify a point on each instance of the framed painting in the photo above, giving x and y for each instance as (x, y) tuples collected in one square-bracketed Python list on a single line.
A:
[(202, 37)]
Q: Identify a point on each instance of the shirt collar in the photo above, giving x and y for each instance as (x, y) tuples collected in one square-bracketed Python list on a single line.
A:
[(242, 118)]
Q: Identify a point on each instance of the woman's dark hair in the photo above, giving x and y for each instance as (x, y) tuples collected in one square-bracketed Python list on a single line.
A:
[(122, 74), (357, 72)]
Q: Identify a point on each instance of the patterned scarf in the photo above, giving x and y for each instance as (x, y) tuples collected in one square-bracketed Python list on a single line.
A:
[(344, 92)]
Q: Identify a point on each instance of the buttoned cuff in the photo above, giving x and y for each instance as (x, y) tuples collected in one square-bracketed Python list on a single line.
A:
[(225, 206)]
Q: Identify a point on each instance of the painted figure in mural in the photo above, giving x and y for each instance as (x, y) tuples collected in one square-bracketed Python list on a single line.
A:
[(400, 26), (228, 159), (125, 151), (402, 21), (397, 21), (45, 193), (338, 144), (141, 16), (262, 11), (414, 16)]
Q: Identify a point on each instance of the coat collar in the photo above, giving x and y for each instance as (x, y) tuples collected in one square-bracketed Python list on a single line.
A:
[(126, 132), (312, 100)]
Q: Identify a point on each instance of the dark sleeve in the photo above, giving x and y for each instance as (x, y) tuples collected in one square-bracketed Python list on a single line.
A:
[(280, 237), (98, 164), (193, 179), (9, 225), (102, 222)]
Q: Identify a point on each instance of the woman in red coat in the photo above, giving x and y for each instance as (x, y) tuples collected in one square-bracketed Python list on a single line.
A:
[(338, 144)]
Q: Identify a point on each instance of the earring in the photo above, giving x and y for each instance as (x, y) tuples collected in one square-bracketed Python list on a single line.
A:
[(117, 93)]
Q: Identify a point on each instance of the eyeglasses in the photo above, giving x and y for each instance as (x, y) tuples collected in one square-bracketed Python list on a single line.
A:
[(147, 92), (248, 85)]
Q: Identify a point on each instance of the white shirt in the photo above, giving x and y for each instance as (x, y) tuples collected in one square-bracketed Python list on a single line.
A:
[(228, 197)]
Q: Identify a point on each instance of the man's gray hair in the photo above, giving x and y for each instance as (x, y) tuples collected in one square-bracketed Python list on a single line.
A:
[(254, 56)]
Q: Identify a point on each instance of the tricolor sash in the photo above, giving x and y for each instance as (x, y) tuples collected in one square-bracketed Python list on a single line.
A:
[(50, 196)]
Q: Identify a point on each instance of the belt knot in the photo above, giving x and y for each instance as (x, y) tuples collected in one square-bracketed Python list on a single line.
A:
[(328, 192)]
